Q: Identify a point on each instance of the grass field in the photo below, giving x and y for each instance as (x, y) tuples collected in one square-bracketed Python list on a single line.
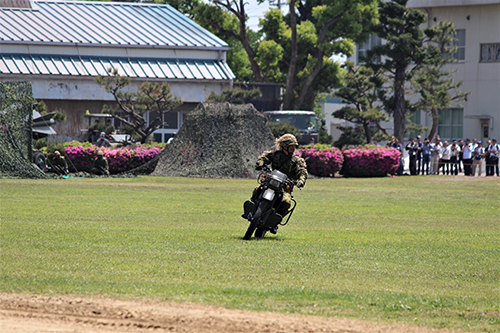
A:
[(416, 250)]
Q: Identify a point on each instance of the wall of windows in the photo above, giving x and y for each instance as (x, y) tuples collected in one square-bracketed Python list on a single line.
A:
[(451, 123)]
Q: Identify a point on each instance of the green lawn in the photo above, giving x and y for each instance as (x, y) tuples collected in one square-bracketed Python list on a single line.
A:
[(416, 250)]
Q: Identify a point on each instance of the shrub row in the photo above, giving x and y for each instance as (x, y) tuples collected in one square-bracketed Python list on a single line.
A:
[(120, 159), (367, 161)]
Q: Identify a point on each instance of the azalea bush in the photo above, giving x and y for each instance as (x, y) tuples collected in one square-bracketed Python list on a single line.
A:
[(322, 160), (120, 159), (370, 161)]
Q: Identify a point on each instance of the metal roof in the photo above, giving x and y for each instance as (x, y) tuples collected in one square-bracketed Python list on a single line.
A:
[(105, 24), (142, 68)]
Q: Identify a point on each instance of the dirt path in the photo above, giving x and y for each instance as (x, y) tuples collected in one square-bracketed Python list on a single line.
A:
[(29, 314)]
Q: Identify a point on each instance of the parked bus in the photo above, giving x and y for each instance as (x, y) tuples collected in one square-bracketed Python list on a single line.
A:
[(305, 121)]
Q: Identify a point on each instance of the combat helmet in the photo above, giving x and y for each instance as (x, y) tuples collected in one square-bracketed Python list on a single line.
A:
[(286, 140)]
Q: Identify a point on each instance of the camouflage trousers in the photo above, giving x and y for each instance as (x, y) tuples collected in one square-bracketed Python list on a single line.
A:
[(283, 208)]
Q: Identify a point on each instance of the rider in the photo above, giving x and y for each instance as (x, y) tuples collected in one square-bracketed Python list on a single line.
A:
[(283, 159)]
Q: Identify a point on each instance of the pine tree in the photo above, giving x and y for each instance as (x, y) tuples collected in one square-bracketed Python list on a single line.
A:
[(402, 54)]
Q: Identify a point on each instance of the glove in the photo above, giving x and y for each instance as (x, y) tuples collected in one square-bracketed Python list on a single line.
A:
[(259, 165), (301, 183)]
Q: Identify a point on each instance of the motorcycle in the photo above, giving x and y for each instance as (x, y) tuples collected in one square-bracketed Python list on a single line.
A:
[(262, 213)]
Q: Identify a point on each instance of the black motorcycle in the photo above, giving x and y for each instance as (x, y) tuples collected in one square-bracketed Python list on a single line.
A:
[(262, 214)]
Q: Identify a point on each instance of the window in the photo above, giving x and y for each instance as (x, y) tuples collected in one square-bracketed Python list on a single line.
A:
[(451, 122), (460, 44), (372, 42), (490, 52), (171, 119)]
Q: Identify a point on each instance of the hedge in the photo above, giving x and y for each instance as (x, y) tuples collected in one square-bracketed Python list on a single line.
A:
[(363, 161), (370, 161), (120, 159), (322, 161)]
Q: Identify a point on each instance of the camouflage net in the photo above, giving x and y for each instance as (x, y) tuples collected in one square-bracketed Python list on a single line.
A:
[(217, 140), (16, 142)]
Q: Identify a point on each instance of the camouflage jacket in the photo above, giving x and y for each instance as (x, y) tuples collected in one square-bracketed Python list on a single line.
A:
[(101, 163), (294, 167), (60, 162)]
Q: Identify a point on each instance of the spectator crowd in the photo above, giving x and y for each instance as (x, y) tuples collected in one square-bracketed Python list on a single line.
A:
[(433, 156)]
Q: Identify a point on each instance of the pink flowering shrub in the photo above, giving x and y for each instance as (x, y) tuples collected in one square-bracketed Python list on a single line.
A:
[(120, 159), (322, 161), (370, 161)]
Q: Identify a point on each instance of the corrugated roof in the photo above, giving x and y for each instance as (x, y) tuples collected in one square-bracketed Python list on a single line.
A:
[(104, 23), (143, 68)]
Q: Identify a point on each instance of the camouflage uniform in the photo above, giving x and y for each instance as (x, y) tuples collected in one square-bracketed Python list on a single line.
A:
[(100, 165), (59, 164), (293, 166)]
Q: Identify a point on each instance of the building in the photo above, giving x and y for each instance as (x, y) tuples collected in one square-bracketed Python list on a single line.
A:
[(477, 23), (62, 46)]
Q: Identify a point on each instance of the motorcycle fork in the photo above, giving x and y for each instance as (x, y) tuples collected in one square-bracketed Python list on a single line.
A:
[(263, 218)]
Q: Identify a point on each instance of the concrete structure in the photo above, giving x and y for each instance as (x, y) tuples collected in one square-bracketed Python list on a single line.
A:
[(61, 47), (478, 31)]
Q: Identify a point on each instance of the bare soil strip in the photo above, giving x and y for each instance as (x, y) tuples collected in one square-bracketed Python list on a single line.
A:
[(29, 314)]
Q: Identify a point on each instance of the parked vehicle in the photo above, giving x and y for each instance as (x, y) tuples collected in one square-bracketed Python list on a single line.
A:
[(41, 128), (262, 214), (305, 121)]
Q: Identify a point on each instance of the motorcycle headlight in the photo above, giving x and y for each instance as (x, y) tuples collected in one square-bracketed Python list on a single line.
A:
[(268, 194)]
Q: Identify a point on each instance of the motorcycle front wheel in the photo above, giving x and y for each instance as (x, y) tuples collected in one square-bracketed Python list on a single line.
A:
[(255, 220), (260, 233)]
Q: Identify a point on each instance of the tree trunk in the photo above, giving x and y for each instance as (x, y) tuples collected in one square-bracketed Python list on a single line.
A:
[(308, 82), (435, 120), (287, 101), (399, 104), (368, 132)]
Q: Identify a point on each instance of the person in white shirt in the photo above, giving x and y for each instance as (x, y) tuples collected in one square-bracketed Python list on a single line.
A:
[(445, 158), (477, 160), (467, 158), (492, 152), (435, 155)]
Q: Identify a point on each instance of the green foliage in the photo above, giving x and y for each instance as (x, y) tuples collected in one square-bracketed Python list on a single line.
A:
[(40, 143), (59, 116), (235, 96), (324, 137), (402, 54), (41, 107), (360, 92), (279, 128), (353, 248), (351, 136)]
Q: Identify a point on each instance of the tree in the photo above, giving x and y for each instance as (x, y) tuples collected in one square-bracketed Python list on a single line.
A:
[(296, 49), (360, 93), (402, 55), (316, 30), (433, 81), (235, 96), (131, 105)]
